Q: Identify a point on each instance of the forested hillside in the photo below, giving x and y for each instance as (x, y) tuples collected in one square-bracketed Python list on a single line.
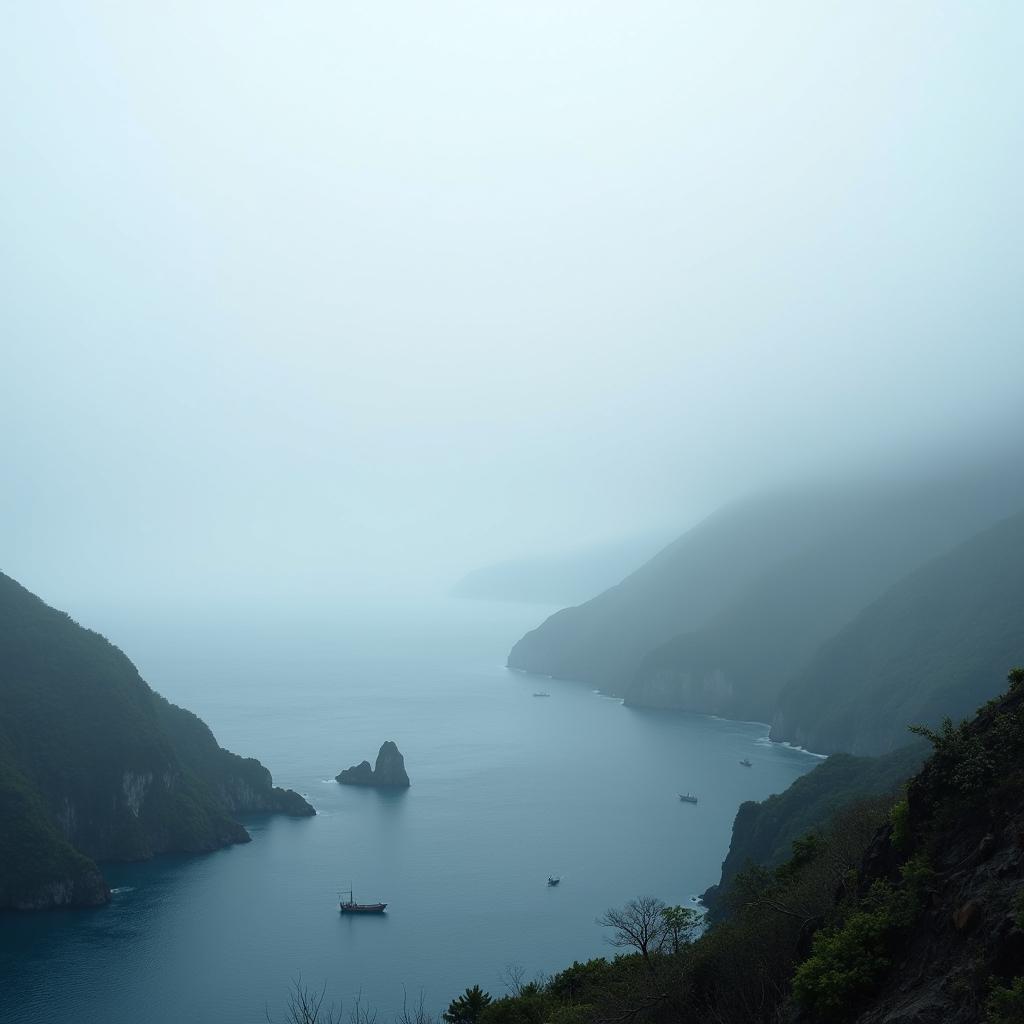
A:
[(724, 616), (929, 647), (96, 766)]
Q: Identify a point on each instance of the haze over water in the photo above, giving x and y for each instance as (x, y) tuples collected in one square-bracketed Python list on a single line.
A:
[(507, 789)]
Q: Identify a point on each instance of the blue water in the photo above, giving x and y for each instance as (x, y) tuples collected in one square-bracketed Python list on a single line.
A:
[(507, 789)]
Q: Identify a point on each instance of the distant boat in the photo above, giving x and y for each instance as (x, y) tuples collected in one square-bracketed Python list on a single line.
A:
[(350, 906), (553, 879), (687, 798), (747, 763), (542, 695)]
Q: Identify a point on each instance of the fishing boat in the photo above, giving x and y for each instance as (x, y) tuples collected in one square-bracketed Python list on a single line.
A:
[(542, 695), (350, 906), (687, 798), (553, 879), (747, 763)]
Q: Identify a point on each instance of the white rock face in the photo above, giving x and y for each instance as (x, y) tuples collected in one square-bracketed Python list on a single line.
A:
[(135, 788), (67, 819)]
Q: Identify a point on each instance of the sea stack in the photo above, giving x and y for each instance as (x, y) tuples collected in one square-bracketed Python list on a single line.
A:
[(389, 771)]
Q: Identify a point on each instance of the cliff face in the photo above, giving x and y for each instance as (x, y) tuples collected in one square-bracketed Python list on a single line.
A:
[(96, 766), (965, 821), (389, 771), (764, 832)]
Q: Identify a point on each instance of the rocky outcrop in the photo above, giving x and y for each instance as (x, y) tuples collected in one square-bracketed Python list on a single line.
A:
[(763, 832), (389, 771)]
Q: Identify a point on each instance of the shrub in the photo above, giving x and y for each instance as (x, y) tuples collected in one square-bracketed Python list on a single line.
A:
[(900, 818), (847, 962), (1006, 1004)]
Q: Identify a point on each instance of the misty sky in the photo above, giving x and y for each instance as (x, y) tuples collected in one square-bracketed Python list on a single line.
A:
[(310, 297)]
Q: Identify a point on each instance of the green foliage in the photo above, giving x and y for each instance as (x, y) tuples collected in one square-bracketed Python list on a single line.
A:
[(845, 964), (467, 1008), (580, 983), (1005, 1004), (959, 754), (847, 961), (531, 1005), (680, 925), (805, 849), (899, 817)]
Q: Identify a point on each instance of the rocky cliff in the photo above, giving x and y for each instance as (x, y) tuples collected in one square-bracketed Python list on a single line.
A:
[(96, 766), (953, 862), (389, 771), (764, 832)]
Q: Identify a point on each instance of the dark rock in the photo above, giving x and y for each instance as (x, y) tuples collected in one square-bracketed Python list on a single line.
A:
[(358, 775), (389, 771), (967, 916)]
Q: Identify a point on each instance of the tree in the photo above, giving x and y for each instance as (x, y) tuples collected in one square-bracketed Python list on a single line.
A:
[(306, 1006), (680, 925), (639, 925), (468, 1007)]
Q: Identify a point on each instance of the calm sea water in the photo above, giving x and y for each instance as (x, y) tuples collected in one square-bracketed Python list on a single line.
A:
[(507, 789)]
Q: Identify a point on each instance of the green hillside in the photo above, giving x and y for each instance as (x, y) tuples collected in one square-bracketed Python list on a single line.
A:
[(724, 617), (738, 663), (603, 641), (96, 766), (930, 646)]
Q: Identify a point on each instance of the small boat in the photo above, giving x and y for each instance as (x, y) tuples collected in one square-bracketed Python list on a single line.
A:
[(542, 695), (553, 879), (747, 763), (687, 798), (350, 906)]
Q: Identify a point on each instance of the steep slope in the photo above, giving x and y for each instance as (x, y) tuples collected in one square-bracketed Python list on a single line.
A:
[(722, 618), (936, 935), (681, 588), (96, 766), (930, 646), (764, 832), (739, 662)]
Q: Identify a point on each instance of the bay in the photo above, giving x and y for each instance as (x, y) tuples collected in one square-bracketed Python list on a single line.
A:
[(507, 789)]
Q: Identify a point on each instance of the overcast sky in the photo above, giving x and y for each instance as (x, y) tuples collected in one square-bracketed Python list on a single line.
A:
[(316, 296)]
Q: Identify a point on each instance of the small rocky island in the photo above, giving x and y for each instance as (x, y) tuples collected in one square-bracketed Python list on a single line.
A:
[(389, 771)]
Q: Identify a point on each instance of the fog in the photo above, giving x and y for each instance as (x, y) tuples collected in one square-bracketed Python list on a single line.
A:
[(317, 299)]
